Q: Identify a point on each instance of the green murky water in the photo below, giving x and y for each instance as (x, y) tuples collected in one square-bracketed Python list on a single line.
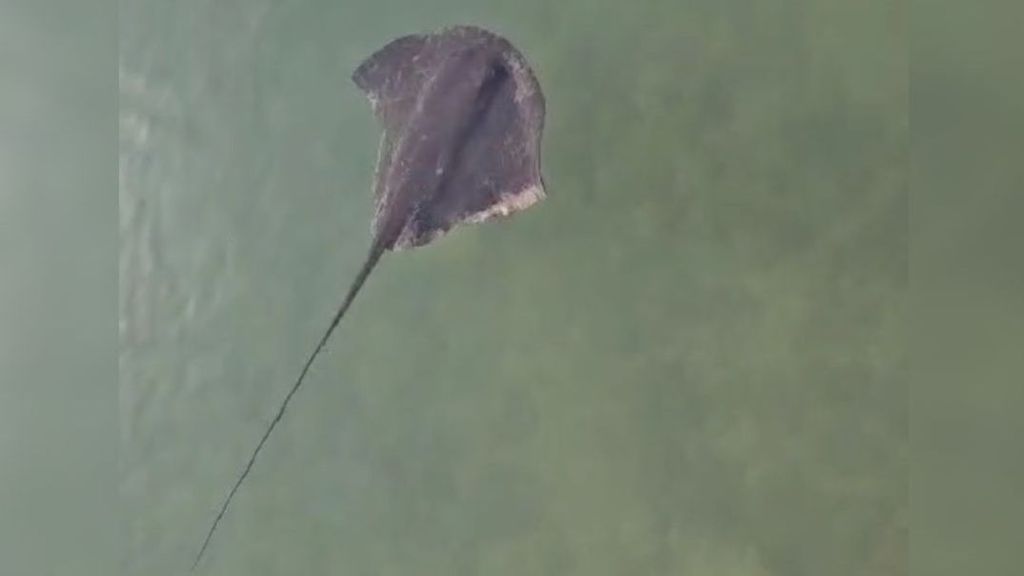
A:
[(689, 360)]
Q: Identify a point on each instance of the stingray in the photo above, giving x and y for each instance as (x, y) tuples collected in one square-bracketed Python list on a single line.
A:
[(462, 115)]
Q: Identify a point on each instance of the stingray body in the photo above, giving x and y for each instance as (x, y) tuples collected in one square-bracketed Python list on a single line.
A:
[(462, 115)]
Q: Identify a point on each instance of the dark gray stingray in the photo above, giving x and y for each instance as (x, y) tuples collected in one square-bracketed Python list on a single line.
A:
[(462, 115)]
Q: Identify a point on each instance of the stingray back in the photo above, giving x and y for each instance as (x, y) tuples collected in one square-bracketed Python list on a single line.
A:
[(495, 169)]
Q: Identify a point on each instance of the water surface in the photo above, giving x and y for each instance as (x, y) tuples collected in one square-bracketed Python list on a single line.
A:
[(688, 360)]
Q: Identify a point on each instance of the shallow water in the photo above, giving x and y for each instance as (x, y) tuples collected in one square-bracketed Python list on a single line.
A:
[(690, 359)]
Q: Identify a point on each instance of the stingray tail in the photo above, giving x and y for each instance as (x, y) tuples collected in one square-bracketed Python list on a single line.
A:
[(364, 272)]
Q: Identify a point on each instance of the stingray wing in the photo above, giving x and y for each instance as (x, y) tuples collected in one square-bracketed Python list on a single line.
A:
[(392, 79), (497, 171)]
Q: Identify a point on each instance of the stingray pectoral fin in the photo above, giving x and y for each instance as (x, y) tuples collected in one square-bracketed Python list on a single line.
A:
[(496, 171), (392, 78)]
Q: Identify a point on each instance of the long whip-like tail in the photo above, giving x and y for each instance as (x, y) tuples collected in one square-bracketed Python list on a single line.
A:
[(371, 261)]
